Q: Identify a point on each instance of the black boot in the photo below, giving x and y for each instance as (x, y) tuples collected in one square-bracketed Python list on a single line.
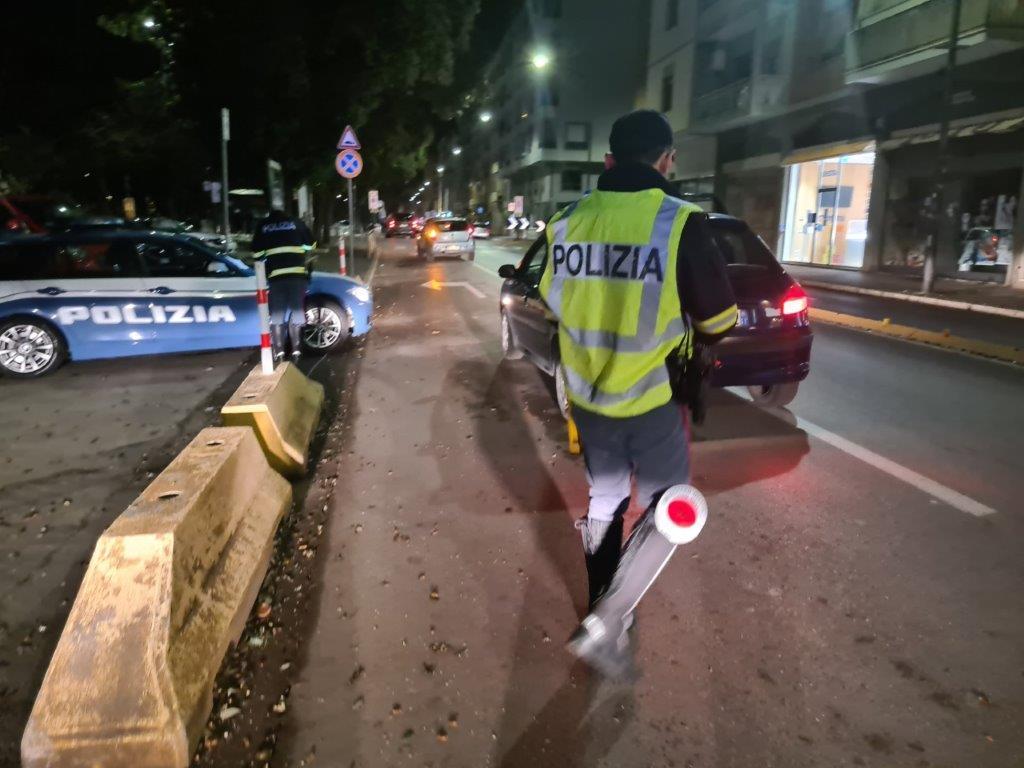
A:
[(602, 562)]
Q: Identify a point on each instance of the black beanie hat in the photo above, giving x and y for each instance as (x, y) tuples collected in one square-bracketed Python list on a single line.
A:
[(639, 133)]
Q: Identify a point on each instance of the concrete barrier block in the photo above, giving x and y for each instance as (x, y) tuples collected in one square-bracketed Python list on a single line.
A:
[(168, 589), (283, 409)]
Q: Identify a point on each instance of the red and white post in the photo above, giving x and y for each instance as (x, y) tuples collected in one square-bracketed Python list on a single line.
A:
[(342, 260), (262, 305)]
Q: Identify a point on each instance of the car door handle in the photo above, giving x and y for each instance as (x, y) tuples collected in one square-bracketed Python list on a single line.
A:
[(51, 291), (163, 290)]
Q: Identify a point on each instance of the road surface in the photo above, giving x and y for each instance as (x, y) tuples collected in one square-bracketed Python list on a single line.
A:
[(854, 599)]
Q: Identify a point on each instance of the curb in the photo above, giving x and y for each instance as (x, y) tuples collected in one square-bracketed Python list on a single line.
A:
[(986, 309), (945, 341)]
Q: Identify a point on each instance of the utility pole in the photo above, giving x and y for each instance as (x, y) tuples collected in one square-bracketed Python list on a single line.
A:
[(225, 137), (942, 167)]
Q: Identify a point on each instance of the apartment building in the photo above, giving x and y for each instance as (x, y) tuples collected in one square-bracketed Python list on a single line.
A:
[(821, 119), (538, 128)]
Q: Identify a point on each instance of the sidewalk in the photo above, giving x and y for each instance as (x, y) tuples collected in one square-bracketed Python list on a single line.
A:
[(988, 298)]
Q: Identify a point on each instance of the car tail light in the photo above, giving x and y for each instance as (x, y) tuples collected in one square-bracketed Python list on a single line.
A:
[(391, 224), (469, 230), (430, 233), (795, 301), (13, 225)]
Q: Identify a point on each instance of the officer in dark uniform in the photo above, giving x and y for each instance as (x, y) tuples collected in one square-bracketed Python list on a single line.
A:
[(284, 244)]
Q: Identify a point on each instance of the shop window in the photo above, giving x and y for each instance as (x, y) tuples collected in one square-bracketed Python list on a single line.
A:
[(577, 135), (572, 181)]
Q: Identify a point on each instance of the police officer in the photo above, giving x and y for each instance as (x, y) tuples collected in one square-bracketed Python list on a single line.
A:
[(634, 277), (284, 244)]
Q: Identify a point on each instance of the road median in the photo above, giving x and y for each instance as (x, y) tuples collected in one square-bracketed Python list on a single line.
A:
[(283, 409), (934, 338), (168, 588)]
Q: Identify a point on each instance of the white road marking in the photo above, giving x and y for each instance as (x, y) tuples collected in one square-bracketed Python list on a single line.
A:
[(924, 484)]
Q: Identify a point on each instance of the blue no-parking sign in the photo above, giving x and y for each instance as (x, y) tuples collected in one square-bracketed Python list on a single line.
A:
[(349, 163)]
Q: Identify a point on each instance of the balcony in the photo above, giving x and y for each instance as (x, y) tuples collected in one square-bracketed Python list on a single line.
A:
[(900, 39), (738, 100)]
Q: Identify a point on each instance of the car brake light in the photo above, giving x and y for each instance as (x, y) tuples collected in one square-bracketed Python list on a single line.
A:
[(431, 233), (391, 224), (795, 300), (469, 230)]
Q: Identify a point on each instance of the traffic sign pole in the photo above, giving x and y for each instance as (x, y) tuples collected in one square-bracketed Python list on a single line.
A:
[(225, 137), (351, 221)]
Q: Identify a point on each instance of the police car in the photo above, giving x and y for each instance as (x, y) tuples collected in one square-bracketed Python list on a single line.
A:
[(117, 293)]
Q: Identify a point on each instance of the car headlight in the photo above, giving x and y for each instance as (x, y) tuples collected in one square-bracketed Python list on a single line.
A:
[(361, 294)]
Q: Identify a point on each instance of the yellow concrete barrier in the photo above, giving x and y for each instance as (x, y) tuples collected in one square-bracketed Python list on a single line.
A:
[(283, 409), (169, 587), (887, 328)]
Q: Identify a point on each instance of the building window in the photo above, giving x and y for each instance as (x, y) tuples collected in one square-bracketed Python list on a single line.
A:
[(572, 181), (548, 135), (577, 135), (771, 54), (548, 97), (550, 9), (667, 87), (671, 14)]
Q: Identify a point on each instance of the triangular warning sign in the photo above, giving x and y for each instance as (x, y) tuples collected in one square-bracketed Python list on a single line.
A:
[(348, 139)]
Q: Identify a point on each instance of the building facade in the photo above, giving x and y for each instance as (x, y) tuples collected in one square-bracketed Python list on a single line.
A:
[(538, 128), (821, 119)]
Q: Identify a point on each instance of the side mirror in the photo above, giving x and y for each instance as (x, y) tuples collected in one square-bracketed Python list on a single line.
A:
[(508, 271)]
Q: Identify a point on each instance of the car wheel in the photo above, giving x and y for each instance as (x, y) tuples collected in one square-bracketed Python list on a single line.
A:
[(328, 326), (561, 390), (774, 395), (508, 344), (30, 348)]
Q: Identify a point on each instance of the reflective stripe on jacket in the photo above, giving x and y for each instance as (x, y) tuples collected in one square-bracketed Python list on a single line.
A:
[(610, 279)]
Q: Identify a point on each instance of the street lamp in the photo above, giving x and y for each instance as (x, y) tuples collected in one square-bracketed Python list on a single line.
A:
[(486, 117), (440, 169), (149, 23), (540, 60), (457, 151)]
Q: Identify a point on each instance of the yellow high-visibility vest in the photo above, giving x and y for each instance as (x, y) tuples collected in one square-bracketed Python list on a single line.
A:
[(610, 279)]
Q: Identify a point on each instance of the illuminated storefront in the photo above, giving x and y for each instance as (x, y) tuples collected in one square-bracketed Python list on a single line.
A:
[(825, 210)]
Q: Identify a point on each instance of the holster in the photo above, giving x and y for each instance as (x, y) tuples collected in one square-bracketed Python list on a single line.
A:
[(690, 379)]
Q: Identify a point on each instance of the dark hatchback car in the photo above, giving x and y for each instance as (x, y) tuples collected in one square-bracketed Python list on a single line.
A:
[(400, 225), (769, 350)]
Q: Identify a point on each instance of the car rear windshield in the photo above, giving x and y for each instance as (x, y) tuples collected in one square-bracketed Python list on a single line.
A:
[(403, 216), (741, 246), (451, 225)]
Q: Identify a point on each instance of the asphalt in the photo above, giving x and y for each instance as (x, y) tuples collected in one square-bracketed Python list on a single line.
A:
[(78, 447), (838, 610)]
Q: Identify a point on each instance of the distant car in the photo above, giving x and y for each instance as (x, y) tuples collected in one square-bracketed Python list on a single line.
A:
[(481, 230), (400, 225), (118, 293), (36, 214), (769, 350), (447, 236), (214, 240)]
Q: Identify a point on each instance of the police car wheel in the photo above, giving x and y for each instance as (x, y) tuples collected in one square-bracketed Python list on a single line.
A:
[(29, 348), (561, 391), (774, 395), (508, 344), (328, 326)]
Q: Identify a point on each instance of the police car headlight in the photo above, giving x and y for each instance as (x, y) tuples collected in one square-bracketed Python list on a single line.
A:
[(361, 294)]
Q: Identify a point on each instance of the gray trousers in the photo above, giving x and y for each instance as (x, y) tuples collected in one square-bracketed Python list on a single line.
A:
[(654, 448), (287, 301)]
